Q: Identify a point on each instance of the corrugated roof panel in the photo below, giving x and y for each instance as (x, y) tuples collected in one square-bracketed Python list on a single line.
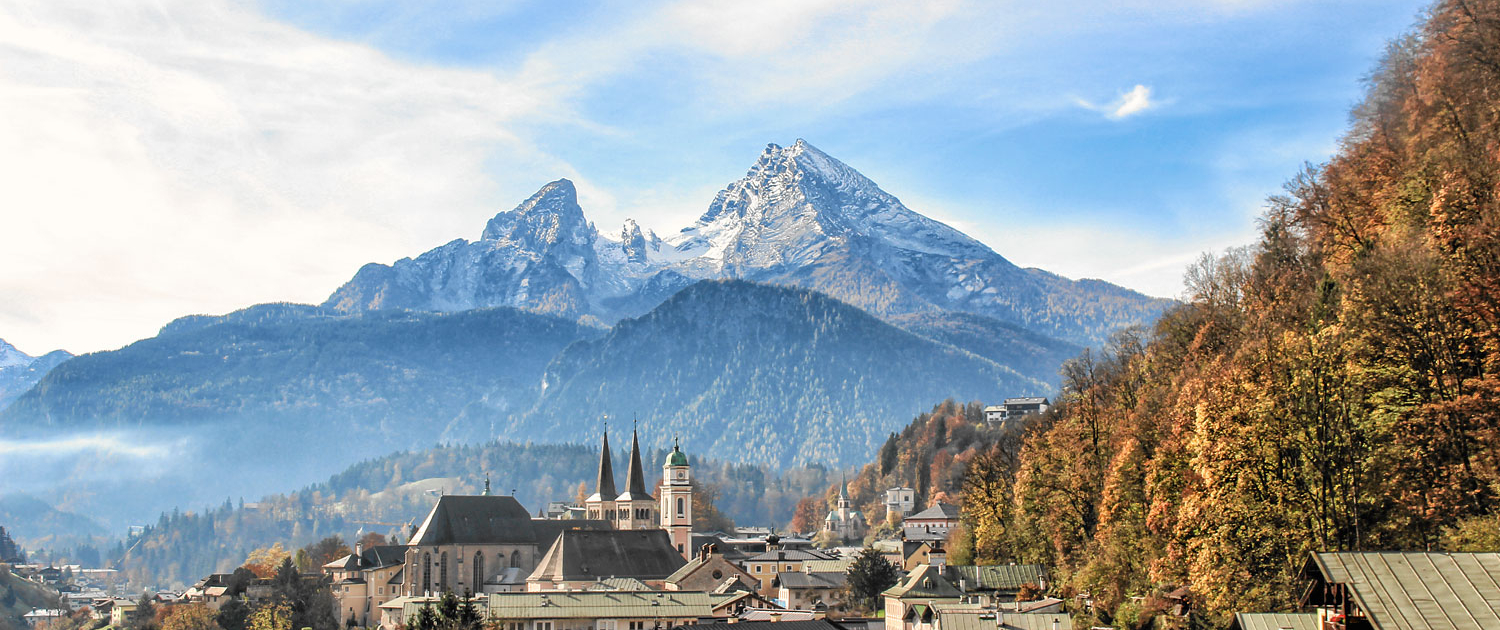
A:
[(1420, 591), (1277, 621)]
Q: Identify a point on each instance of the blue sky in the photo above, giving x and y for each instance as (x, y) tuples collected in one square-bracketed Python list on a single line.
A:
[(195, 157)]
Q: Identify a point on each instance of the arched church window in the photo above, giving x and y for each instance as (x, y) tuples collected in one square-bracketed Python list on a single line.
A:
[(515, 559), (478, 571), (426, 573)]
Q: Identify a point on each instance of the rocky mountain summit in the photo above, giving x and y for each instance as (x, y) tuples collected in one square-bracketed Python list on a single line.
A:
[(19, 371), (798, 217)]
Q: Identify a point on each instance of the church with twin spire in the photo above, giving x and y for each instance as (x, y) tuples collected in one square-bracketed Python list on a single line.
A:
[(636, 508)]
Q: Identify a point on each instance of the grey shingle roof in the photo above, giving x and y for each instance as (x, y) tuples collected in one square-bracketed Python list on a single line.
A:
[(814, 624), (489, 520), (1275, 621), (825, 579), (645, 554), (1418, 590), (597, 604), (788, 555), (939, 511)]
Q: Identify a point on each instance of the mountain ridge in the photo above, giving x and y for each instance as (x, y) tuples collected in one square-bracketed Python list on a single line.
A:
[(798, 217)]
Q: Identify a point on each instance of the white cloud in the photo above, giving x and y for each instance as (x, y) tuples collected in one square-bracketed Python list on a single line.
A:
[(1137, 100), (195, 157)]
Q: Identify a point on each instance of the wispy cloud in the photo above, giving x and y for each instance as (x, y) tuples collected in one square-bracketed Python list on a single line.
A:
[(1137, 100)]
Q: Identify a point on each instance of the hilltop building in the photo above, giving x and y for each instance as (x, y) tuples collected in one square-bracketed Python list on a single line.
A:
[(1015, 409), (899, 502)]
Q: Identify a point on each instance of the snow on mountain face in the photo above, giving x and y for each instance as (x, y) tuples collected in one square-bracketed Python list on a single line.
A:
[(797, 201), (798, 217), (11, 357)]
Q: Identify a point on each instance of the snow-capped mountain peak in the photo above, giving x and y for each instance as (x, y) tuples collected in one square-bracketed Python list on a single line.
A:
[(549, 220), (797, 217), (11, 357), (797, 202)]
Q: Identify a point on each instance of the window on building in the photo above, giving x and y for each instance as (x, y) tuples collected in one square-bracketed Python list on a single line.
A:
[(443, 571), (515, 559), (543, 625), (426, 573), (478, 570), (680, 509), (637, 625)]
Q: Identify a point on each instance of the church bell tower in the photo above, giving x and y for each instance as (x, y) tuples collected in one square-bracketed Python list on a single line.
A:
[(677, 501)]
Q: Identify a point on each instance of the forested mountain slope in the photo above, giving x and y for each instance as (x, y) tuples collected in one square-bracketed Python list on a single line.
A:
[(762, 374), (1335, 386)]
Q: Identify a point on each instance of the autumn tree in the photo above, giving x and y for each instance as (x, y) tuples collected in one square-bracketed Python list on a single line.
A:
[(190, 617), (264, 561), (808, 516)]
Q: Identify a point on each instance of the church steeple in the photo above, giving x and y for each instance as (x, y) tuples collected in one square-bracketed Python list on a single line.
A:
[(604, 487), (635, 479)]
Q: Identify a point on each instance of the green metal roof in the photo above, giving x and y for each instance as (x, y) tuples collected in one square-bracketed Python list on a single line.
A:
[(1004, 577), (925, 582), (676, 457), (1417, 590), (601, 604), (1275, 621), (1032, 621)]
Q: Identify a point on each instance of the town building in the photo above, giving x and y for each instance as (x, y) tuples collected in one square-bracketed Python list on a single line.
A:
[(765, 566), (708, 570), (899, 502), (581, 558), (361, 582), (909, 604), (938, 519), (999, 583), (812, 590), (845, 522), (38, 617), (469, 544), (587, 610)]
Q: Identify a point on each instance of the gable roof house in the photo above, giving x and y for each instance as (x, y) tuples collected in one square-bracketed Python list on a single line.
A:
[(365, 579), (707, 571), (909, 604), (579, 558), (1404, 590)]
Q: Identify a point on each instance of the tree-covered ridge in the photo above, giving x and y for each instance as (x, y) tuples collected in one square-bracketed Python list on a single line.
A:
[(775, 375), (931, 455), (390, 494), (376, 372), (1335, 386)]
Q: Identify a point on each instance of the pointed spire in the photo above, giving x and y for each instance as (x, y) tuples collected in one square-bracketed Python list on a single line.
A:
[(635, 480), (604, 488)]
